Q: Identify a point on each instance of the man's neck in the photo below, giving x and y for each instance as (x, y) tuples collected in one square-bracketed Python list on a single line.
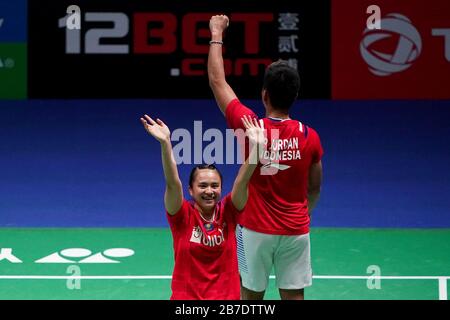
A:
[(277, 114)]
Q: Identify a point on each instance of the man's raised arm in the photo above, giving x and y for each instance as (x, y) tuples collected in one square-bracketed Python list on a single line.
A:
[(216, 73)]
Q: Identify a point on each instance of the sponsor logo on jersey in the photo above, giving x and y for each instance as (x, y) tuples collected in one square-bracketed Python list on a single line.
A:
[(208, 240)]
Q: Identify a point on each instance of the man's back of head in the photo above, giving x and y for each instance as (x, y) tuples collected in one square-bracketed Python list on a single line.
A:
[(282, 84)]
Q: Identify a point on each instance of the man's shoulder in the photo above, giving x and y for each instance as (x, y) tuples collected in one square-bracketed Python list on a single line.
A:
[(237, 104), (235, 111), (305, 127)]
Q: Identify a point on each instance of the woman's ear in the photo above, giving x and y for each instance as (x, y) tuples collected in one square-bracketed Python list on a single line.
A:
[(190, 192)]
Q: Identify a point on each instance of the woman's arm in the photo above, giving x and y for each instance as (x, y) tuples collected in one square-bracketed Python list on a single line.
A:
[(255, 134), (173, 197)]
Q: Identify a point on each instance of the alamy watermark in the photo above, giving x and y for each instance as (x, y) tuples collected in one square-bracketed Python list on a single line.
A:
[(74, 281), (374, 280), (73, 20), (374, 20), (214, 146)]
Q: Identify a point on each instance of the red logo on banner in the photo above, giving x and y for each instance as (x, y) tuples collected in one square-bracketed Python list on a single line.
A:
[(163, 38), (407, 58)]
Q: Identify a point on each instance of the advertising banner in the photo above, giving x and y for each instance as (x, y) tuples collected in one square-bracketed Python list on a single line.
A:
[(13, 21), (13, 49), (407, 57), (158, 49), (13, 71)]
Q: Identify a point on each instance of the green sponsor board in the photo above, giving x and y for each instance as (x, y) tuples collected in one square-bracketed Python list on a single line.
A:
[(13, 71)]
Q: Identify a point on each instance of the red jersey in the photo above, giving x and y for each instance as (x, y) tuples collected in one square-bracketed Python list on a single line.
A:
[(278, 202), (206, 265)]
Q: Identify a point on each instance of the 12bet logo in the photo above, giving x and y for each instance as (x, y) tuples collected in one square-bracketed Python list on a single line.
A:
[(156, 33)]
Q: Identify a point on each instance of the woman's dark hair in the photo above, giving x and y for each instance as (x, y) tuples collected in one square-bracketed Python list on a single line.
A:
[(203, 167)]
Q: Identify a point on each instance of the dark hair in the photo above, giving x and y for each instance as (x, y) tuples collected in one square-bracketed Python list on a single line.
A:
[(203, 167), (282, 83)]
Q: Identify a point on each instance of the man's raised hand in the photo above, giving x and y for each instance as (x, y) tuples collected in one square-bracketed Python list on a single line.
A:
[(218, 24)]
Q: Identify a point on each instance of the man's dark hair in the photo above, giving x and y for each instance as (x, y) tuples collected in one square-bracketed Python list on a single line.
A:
[(203, 167), (282, 83)]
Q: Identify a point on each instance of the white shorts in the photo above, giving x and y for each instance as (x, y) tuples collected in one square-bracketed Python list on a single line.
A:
[(289, 255)]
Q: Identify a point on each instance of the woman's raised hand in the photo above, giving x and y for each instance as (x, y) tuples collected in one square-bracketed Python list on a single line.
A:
[(157, 129)]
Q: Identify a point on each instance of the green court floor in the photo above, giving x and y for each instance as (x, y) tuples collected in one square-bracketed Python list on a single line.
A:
[(344, 263)]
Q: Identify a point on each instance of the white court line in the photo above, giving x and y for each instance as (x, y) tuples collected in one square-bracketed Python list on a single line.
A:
[(443, 288), (85, 277), (442, 279), (382, 277)]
